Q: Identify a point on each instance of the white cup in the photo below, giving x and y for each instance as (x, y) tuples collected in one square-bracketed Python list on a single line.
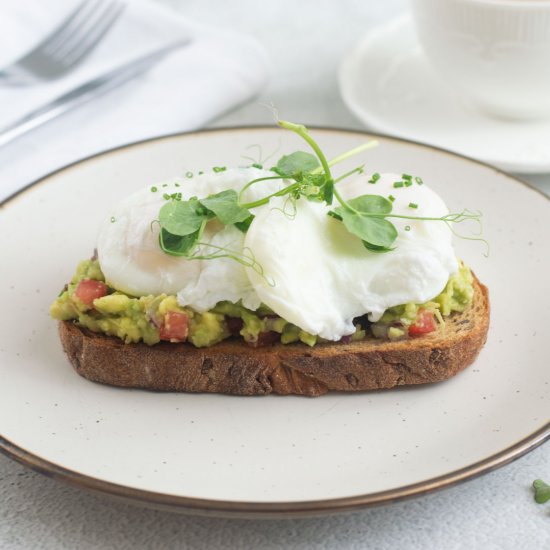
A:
[(494, 52)]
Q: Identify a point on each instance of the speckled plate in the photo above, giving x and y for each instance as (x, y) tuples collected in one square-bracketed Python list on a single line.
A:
[(269, 456)]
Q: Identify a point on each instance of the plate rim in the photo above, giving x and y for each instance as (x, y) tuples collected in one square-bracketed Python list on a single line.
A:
[(277, 509)]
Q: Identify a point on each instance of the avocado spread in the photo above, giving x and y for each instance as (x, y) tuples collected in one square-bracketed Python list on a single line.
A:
[(135, 319)]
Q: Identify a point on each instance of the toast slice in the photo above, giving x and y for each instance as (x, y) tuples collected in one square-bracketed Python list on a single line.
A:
[(232, 367)]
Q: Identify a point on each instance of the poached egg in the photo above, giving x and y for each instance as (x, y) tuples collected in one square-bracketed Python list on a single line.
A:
[(315, 274)]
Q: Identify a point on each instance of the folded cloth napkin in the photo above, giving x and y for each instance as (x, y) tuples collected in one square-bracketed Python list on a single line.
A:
[(217, 71)]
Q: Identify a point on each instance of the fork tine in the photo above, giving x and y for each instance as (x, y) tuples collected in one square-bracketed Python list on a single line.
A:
[(80, 25), (59, 32), (75, 49)]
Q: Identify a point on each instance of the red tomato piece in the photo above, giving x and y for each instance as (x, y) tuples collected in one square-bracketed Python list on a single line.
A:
[(425, 323), (175, 327), (89, 289)]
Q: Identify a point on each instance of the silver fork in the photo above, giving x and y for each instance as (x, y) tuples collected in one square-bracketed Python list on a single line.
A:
[(67, 45)]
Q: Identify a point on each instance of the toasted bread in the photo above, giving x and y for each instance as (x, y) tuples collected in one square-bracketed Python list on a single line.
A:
[(232, 367)]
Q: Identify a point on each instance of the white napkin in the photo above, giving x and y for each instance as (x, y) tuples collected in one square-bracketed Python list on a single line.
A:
[(216, 72)]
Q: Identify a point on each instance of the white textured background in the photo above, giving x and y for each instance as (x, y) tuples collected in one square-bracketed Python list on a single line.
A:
[(306, 41)]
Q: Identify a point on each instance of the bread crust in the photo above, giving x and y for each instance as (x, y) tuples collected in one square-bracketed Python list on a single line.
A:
[(232, 367)]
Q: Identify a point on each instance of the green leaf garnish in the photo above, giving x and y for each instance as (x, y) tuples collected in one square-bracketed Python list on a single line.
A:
[(225, 206), (245, 224), (374, 232), (296, 164), (542, 491), (181, 218), (176, 245)]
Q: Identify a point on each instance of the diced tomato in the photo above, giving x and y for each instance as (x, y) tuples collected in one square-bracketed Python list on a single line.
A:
[(175, 327), (425, 323), (89, 289)]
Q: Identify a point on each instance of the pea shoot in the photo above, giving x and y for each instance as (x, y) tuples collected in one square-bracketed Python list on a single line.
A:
[(305, 175)]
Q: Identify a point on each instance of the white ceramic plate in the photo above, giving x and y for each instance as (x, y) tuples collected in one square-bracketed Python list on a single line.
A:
[(388, 83), (271, 455)]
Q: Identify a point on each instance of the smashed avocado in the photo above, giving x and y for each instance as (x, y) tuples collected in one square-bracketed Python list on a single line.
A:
[(133, 319)]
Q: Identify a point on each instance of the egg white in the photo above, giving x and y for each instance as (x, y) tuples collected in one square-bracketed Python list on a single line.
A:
[(132, 261), (322, 277), (315, 274)]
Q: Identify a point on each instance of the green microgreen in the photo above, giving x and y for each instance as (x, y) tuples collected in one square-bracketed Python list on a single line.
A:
[(542, 491), (303, 174), (374, 178)]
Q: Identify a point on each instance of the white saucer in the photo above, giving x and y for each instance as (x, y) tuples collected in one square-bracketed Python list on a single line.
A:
[(387, 82)]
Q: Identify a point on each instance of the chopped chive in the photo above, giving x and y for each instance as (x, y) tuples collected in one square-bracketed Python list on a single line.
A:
[(154, 189), (413, 205), (418, 180), (408, 183), (392, 198), (406, 176), (165, 185), (201, 173), (113, 219), (166, 196), (257, 165), (374, 178), (407, 228), (188, 174), (219, 169), (398, 184), (176, 184)]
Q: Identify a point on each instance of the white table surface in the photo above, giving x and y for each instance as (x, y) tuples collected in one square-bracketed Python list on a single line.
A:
[(306, 41)]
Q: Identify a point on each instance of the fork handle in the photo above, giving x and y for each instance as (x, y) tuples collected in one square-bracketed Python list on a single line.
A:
[(83, 93)]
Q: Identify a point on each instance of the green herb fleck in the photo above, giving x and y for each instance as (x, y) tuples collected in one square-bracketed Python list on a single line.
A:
[(406, 177), (154, 189), (257, 165), (542, 491), (392, 198), (201, 173), (176, 184), (189, 175), (408, 183), (413, 205), (407, 228), (218, 169), (398, 184), (374, 178), (113, 219), (418, 180), (165, 185), (166, 196)]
